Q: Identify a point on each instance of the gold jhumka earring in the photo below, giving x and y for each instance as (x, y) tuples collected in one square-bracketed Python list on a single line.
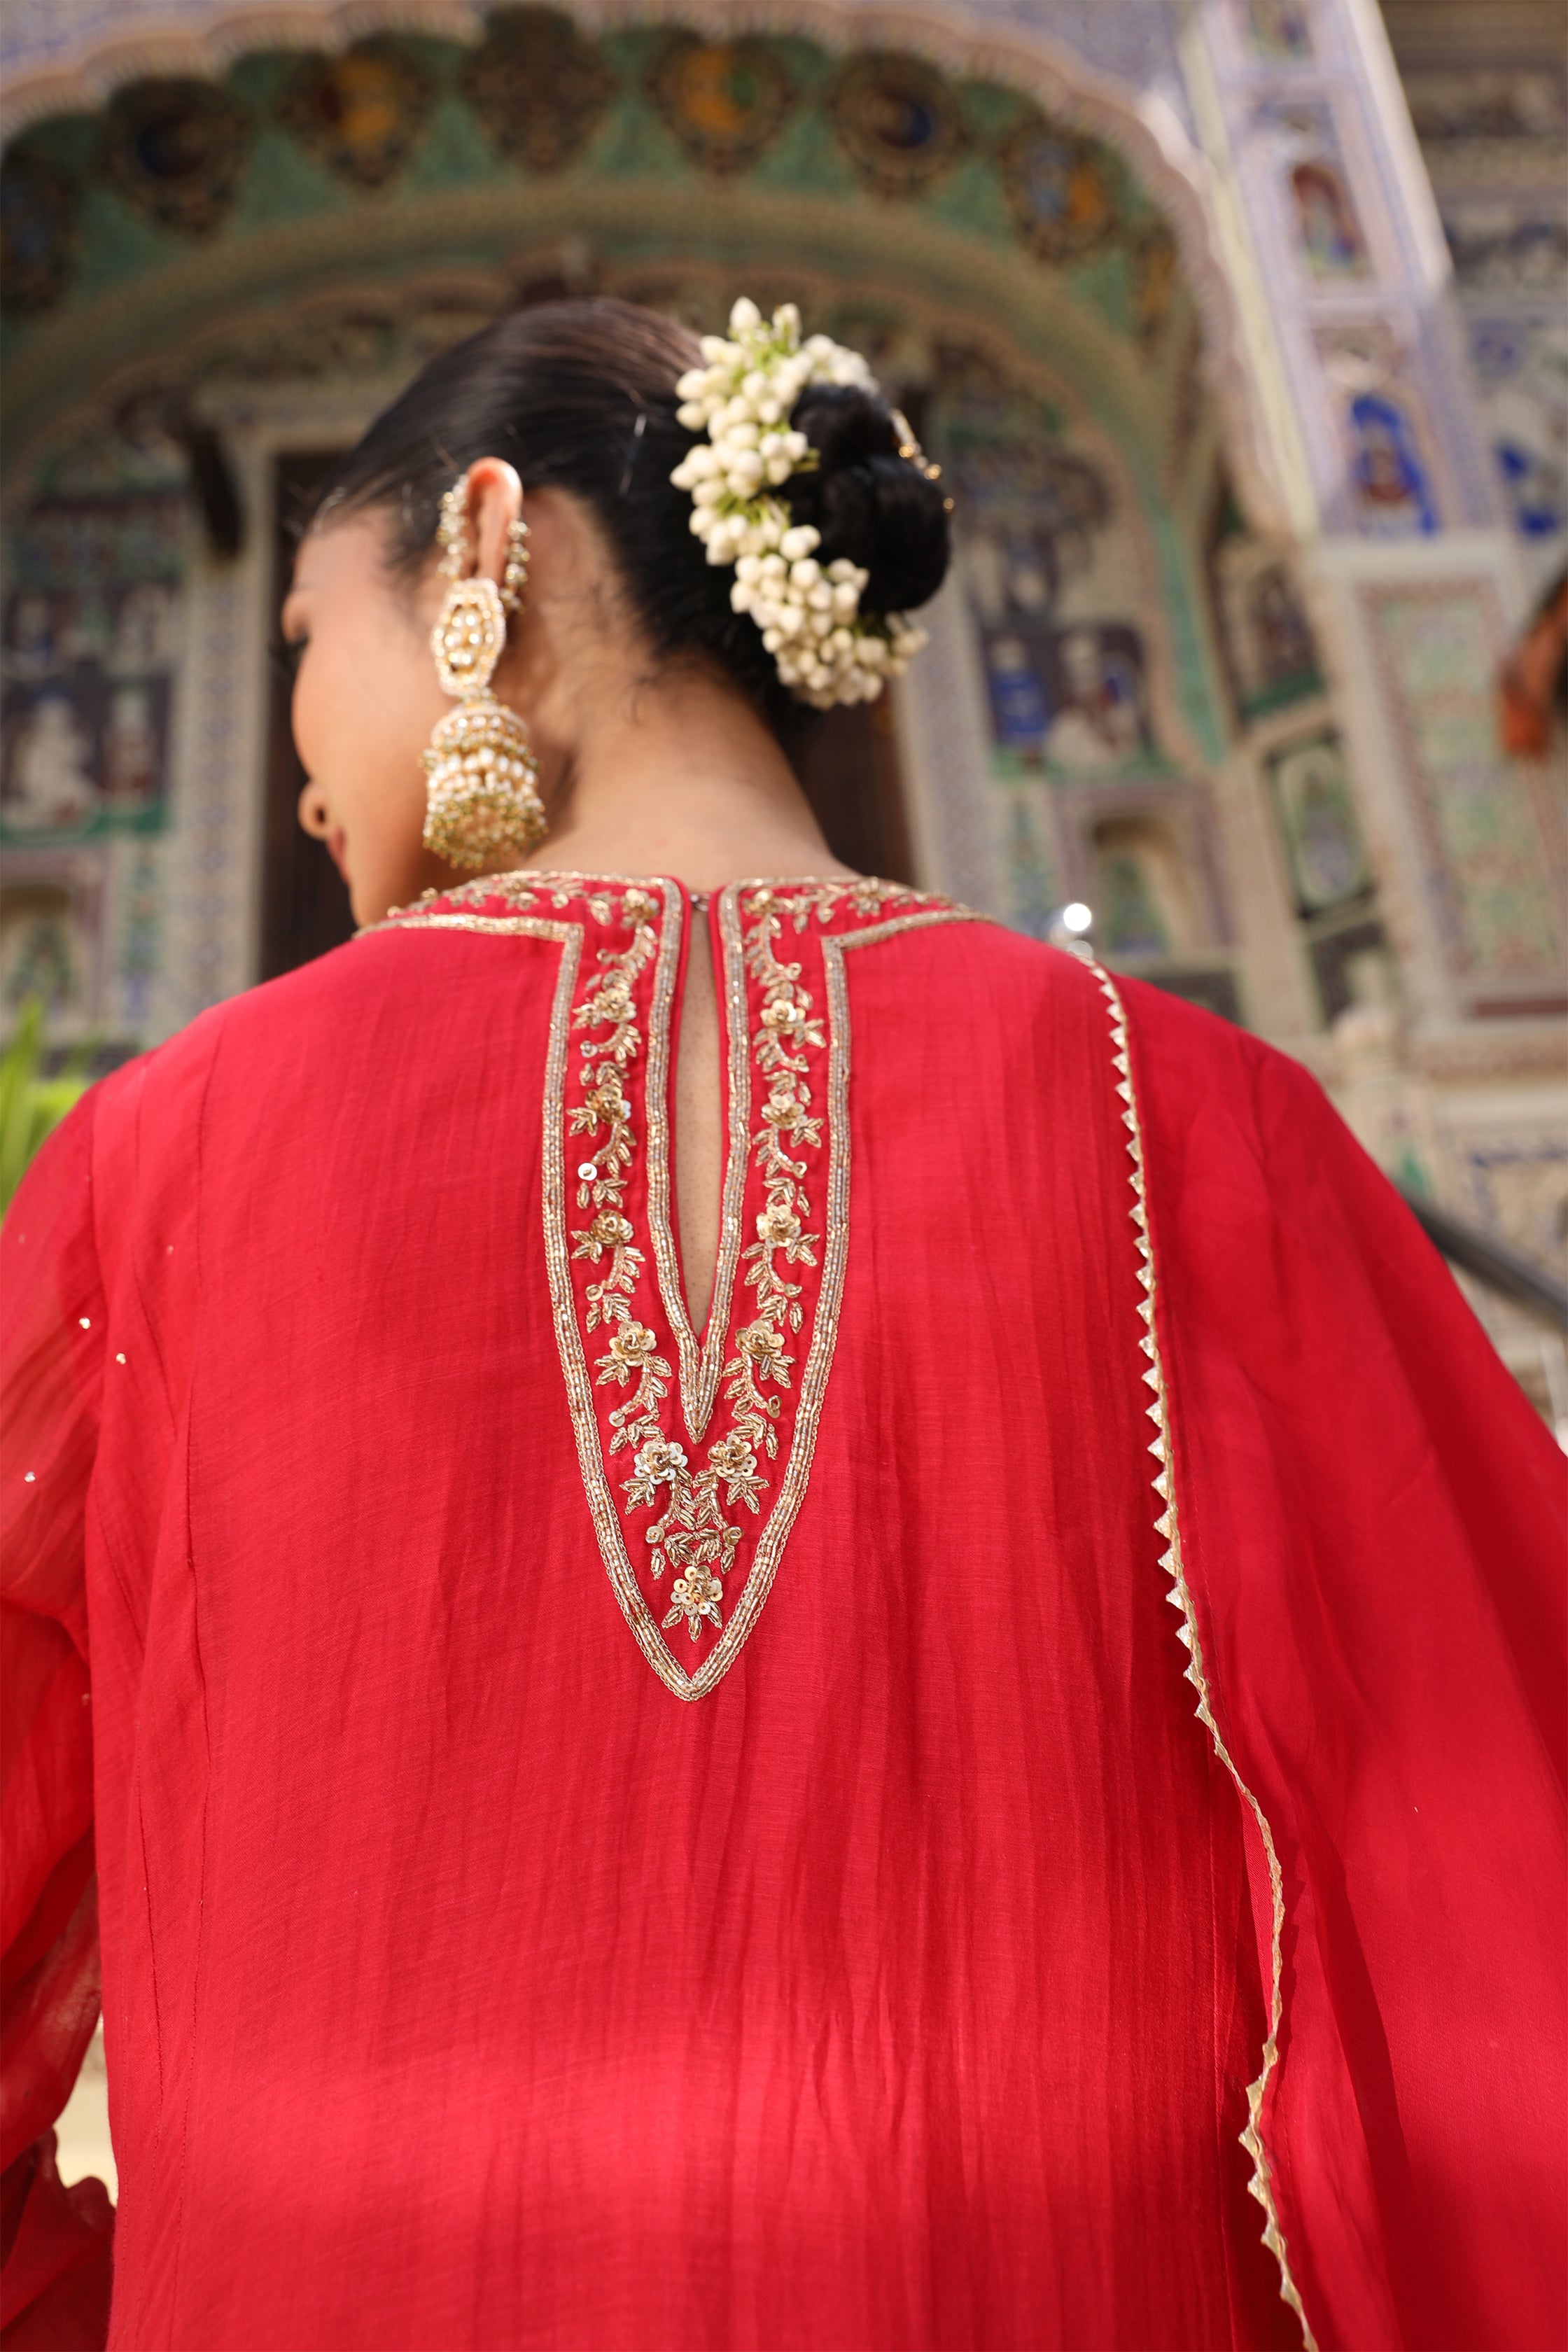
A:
[(482, 802)]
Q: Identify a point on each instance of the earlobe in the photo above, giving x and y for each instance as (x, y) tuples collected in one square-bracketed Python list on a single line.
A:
[(314, 818)]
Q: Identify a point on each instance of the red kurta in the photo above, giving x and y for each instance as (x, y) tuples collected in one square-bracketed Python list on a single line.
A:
[(608, 1839)]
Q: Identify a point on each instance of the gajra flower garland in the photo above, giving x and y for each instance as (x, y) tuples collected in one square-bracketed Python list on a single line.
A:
[(826, 650)]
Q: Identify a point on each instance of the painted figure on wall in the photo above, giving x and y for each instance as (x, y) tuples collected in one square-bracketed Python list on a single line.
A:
[(360, 114), (1393, 498), (1099, 719), (90, 649), (129, 749), (1322, 839), (1521, 370), (37, 959), (1265, 635), (1280, 628), (1060, 192), (725, 101), (1325, 216), (1069, 699), (30, 638), (49, 786), (1278, 29), (1018, 712), (898, 122), (145, 630)]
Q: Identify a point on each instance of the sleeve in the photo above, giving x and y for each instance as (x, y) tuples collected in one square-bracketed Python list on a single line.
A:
[(1371, 1525), (55, 2242)]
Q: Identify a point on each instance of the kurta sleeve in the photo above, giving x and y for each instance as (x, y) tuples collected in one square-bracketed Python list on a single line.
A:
[(55, 2242), (1371, 1525)]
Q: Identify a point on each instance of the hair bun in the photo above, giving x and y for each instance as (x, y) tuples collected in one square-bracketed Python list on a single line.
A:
[(870, 505)]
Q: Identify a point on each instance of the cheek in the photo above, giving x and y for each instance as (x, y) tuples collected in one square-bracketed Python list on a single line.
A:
[(364, 703)]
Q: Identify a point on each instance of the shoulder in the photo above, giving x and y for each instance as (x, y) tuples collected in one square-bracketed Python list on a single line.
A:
[(1197, 1075)]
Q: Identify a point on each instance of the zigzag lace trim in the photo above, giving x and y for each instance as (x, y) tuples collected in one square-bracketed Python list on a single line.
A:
[(1180, 1598)]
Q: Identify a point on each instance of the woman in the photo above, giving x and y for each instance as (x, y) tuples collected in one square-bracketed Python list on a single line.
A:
[(619, 1448)]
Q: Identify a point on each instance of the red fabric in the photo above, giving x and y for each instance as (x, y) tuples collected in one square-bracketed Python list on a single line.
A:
[(1374, 1533), (463, 1986)]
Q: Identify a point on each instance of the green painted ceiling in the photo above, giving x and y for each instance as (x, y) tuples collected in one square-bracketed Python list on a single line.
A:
[(950, 240)]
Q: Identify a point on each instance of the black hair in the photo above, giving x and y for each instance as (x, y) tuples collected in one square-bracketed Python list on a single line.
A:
[(581, 395)]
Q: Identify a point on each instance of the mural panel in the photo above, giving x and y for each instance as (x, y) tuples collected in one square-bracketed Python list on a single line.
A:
[(1316, 810), (1495, 867), (1059, 191), (1522, 371), (1265, 634), (1315, 182), (1280, 31), (1384, 432), (360, 114), (88, 655), (51, 933), (176, 151), (899, 121), (726, 101), (537, 85), (1052, 579)]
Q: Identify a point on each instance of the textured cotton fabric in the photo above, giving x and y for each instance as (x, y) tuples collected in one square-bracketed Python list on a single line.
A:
[(465, 1986)]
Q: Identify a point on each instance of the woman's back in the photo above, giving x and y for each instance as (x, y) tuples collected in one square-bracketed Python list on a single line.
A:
[(489, 1977), (874, 1824)]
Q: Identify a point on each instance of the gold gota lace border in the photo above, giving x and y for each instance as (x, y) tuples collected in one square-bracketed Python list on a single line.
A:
[(1261, 2183)]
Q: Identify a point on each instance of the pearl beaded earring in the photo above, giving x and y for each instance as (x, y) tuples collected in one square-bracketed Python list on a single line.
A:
[(482, 803)]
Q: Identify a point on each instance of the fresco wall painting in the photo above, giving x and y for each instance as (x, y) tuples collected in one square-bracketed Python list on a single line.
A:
[(1494, 140), (1489, 844)]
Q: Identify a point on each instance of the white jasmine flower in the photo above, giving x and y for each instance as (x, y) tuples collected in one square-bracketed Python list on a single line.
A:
[(808, 612)]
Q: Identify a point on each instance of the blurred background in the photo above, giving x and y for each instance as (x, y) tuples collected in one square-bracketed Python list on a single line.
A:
[(1239, 326)]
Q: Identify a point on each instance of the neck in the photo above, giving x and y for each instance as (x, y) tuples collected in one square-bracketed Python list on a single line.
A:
[(683, 778)]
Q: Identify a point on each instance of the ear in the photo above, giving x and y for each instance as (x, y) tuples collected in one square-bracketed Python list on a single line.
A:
[(495, 503)]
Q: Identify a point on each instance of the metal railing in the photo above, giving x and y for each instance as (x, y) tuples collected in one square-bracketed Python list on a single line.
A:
[(1506, 1270)]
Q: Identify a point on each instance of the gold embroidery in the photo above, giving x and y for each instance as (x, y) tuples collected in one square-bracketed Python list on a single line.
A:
[(697, 1531), (602, 1180), (1180, 1597)]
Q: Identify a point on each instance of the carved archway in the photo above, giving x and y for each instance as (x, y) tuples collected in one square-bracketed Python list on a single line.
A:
[(62, 59)]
